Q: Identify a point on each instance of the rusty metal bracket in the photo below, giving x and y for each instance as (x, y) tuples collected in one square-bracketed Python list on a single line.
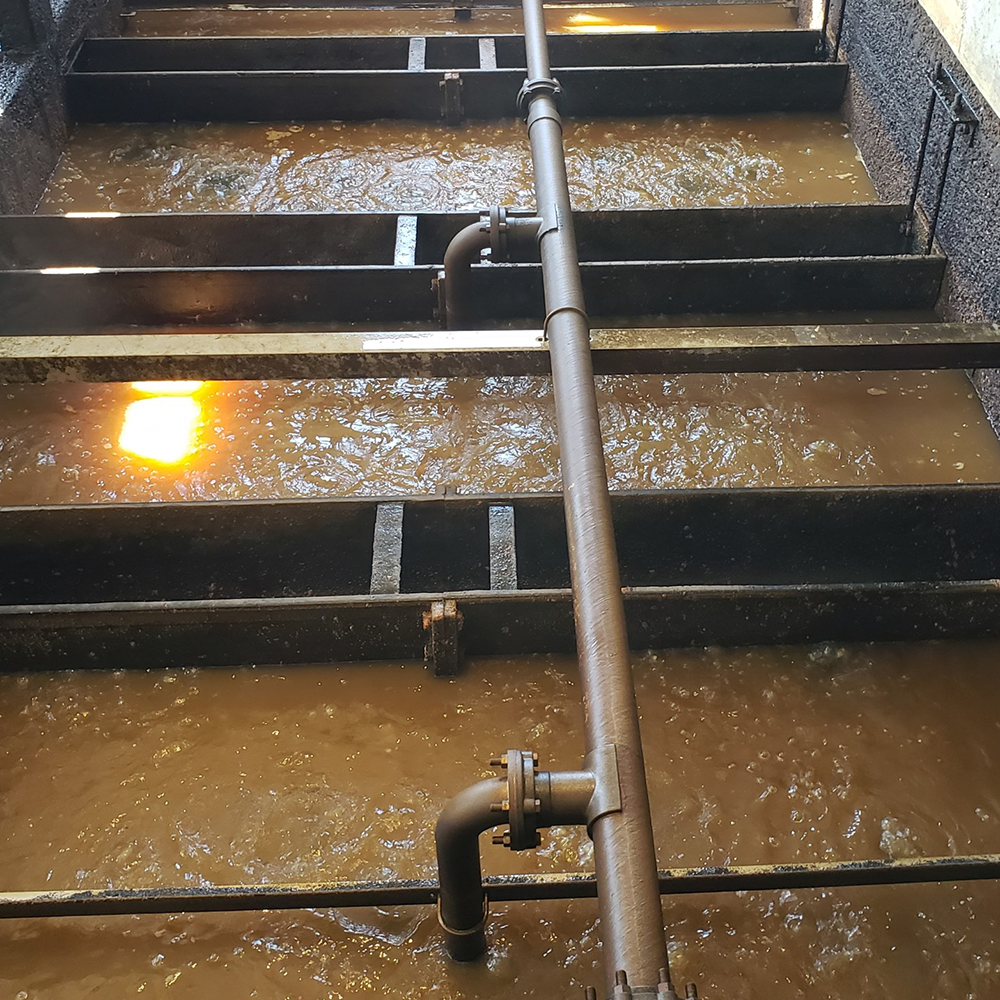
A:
[(451, 99), (443, 649)]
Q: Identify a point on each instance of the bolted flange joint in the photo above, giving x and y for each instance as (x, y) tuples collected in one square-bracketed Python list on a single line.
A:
[(522, 806), (664, 989)]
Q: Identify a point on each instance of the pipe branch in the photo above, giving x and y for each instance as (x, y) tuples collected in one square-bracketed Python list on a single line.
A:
[(499, 233), (528, 800)]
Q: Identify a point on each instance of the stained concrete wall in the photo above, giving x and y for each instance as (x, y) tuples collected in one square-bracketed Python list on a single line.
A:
[(972, 30), (891, 46), (33, 123)]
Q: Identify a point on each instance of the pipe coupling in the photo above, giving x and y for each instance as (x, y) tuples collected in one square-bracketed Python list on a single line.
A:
[(468, 943), (531, 89)]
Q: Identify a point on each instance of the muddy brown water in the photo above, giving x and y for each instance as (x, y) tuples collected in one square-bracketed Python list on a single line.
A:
[(770, 755), (404, 166), (67, 443), (388, 436), (266, 775), (568, 19)]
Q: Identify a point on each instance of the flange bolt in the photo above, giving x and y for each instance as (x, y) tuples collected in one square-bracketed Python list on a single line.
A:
[(622, 988), (665, 988)]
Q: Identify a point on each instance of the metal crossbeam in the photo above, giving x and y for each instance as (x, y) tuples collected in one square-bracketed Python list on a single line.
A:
[(123, 585), (500, 888), (225, 239), (131, 356), (194, 54), (364, 95), (91, 300)]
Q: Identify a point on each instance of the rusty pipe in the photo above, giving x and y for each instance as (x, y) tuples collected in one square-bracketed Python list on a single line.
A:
[(624, 853), (564, 798)]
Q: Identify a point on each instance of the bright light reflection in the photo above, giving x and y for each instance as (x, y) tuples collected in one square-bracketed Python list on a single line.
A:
[(587, 19), (70, 270), (92, 215), (162, 429), (612, 29), (452, 340), (178, 388)]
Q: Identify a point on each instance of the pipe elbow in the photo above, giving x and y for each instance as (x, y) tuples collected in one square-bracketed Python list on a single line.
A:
[(461, 900), (469, 814), (463, 251)]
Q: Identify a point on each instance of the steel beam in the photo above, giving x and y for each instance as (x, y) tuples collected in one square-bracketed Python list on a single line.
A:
[(283, 239), (201, 54), (122, 585), (293, 630), (501, 888), (91, 300), (133, 356), (363, 95)]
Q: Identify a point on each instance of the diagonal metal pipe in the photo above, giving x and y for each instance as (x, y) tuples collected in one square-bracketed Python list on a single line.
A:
[(624, 853)]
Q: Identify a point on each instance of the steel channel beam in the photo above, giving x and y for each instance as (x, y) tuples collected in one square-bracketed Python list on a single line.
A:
[(359, 95), (284, 239), (94, 300), (501, 888), (296, 630), (483, 353), (199, 54), (123, 586), (151, 552)]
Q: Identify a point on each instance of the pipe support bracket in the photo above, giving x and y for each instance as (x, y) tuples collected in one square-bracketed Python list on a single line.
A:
[(602, 762)]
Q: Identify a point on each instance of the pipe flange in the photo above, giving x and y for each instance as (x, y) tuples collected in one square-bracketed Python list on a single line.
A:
[(498, 232), (522, 806), (530, 89)]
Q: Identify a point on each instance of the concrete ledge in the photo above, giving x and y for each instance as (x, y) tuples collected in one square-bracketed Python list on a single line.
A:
[(130, 356)]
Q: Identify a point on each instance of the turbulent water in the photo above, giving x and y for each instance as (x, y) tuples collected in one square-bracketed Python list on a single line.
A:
[(405, 166), (772, 755), (566, 18), (65, 443), (264, 775)]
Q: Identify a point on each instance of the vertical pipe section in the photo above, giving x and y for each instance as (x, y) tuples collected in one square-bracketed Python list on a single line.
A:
[(625, 857), (461, 901)]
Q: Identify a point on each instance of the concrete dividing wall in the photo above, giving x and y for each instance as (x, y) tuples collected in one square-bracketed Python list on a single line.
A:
[(33, 121)]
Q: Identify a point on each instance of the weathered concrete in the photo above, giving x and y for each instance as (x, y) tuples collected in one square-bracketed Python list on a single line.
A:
[(33, 124), (891, 46)]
